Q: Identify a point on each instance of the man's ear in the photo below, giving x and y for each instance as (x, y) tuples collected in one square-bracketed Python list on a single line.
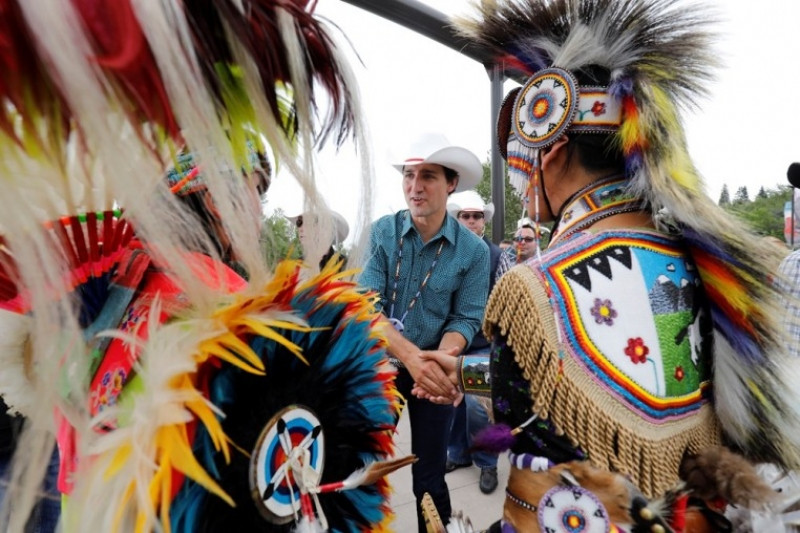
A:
[(555, 152), (451, 187)]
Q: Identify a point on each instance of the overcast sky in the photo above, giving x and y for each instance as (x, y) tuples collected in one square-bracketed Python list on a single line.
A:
[(744, 134)]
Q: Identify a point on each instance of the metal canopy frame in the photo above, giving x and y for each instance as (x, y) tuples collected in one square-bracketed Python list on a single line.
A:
[(431, 23)]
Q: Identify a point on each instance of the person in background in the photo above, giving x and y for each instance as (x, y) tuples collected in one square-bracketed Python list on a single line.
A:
[(505, 244), (333, 236), (470, 415), (525, 242), (432, 277)]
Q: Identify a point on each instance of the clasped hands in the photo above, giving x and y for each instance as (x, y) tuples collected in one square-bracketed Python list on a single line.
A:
[(435, 377)]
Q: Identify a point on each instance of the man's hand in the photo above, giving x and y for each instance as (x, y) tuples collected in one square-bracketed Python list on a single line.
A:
[(428, 374), (443, 363)]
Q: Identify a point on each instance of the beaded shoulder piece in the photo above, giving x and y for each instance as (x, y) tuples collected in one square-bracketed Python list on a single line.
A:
[(622, 365)]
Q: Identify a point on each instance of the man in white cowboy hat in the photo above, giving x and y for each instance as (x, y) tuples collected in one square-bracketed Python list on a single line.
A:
[(432, 275), (326, 239), (470, 416)]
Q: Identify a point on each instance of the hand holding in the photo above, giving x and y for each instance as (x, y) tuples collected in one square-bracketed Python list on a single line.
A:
[(437, 379)]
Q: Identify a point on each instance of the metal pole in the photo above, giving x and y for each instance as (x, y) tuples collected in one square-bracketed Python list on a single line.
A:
[(496, 168)]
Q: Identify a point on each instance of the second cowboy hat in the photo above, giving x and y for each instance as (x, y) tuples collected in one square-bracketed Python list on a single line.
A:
[(436, 149), (469, 201)]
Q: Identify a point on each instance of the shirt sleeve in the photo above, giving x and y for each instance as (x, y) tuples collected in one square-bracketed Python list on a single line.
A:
[(788, 283), (503, 265), (469, 299), (374, 275)]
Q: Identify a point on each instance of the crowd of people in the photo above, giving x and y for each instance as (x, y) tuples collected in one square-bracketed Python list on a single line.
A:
[(631, 343)]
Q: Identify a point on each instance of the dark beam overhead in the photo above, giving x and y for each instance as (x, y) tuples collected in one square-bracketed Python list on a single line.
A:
[(426, 21)]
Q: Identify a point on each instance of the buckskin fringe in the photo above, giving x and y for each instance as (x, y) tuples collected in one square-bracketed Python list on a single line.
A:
[(613, 438)]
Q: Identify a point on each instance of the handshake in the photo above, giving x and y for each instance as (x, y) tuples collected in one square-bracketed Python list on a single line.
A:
[(436, 377)]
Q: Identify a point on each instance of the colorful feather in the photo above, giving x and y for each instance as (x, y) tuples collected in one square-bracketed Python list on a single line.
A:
[(99, 98), (659, 56), (342, 378)]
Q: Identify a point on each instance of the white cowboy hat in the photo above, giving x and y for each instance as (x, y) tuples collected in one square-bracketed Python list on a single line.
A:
[(469, 201), (341, 229), (436, 149)]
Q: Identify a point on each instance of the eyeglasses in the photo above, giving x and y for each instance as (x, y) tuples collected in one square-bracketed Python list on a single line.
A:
[(526, 239), (477, 215), (299, 222)]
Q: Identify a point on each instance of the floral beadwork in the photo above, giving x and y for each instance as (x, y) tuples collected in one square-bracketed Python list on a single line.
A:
[(132, 316), (637, 350), (106, 395), (603, 312), (599, 108)]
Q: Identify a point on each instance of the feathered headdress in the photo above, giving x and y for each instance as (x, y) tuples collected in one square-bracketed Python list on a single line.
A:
[(99, 98), (658, 55)]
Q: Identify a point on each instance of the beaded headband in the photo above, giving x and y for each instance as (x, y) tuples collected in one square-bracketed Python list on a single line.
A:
[(552, 103)]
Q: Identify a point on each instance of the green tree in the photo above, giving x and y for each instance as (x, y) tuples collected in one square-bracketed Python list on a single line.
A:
[(278, 238), (513, 203), (724, 197), (762, 193), (741, 196), (765, 213)]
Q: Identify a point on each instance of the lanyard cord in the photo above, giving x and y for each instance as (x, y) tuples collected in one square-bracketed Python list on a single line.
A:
[(421, 287)]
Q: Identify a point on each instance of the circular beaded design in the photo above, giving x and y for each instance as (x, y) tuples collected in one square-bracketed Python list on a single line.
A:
[(572, 510), (545, 107)]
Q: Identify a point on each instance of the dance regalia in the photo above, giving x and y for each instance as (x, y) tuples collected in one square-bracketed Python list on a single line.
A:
[(611, 345), (604, 339), (189, 399)]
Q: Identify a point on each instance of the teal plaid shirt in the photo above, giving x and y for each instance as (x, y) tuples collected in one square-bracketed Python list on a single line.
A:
[(454, 298)]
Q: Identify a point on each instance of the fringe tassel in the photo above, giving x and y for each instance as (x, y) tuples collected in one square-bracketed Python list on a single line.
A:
[(610, 434)]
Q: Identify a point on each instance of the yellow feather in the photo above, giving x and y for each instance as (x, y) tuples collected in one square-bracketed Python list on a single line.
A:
[(212, 425), (265, 331), (184, 461), (231, 341), (209, 347), (121, 455), (122, 506)]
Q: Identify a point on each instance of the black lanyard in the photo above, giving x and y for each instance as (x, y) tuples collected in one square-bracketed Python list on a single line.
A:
[(398, 323)]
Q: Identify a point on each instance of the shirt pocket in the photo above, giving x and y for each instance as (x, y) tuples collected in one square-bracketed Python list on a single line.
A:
[(438, 301)]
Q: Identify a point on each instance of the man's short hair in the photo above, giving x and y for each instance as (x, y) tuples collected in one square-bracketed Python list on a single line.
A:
[(449, 174)]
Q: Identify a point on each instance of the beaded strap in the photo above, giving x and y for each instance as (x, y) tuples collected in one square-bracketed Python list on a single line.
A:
[(519, 501)]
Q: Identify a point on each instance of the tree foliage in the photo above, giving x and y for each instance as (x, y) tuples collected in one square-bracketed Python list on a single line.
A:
[(278, 238), (513, 203), (764, 214), (741, 196), (724, 197)]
